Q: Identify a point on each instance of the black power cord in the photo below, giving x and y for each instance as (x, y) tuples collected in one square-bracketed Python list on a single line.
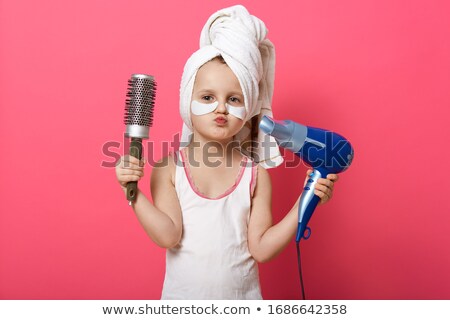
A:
[(300, 270)]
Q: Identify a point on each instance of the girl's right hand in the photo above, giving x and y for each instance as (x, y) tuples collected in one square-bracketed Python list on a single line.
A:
[(129, 168)]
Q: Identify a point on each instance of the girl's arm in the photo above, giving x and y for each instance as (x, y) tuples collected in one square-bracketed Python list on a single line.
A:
[(162, 219), (266, 240)]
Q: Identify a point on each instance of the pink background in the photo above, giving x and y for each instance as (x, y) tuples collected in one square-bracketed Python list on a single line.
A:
[(376, 71)]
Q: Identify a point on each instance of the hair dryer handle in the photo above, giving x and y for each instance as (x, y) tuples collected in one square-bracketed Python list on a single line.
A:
[(306, 206)]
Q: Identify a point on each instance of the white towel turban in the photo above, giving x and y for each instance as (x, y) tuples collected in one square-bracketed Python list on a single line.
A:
[(240, 39)]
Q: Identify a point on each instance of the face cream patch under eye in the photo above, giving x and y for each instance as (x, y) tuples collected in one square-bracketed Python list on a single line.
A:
[(238, 112), (200, 109)]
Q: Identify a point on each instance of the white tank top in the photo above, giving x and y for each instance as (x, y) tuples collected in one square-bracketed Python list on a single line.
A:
[(212, 260)]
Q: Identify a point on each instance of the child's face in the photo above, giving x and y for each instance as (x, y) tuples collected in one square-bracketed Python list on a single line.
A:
[(215, 84)]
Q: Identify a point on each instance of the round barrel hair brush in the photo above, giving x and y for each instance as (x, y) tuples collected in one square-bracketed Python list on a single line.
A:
[(138, 118)]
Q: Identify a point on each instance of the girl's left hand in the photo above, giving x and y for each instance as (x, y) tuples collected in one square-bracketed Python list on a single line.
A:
[(324, 187)]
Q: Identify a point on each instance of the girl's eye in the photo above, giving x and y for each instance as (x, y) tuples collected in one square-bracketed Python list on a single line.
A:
[(207, 98), (235, 100)]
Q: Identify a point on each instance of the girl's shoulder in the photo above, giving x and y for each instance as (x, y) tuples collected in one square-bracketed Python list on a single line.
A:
[(165, 167), (262, 178)]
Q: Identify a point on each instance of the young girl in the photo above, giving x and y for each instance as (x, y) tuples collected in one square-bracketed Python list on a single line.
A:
[(212, 203)]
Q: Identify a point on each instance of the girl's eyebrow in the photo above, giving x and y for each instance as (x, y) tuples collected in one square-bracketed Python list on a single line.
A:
[(205, 90), (233, 93)]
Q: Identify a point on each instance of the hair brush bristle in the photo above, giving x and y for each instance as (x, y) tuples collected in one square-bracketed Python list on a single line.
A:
[(140, 100)]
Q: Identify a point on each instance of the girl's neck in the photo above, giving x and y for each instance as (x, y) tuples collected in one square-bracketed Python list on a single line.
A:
[(207, 151)]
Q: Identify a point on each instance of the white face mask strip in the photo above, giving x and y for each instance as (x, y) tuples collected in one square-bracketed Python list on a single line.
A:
[(200, 109), (238, 112)]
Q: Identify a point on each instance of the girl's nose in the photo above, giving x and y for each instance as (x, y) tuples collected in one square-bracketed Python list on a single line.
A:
[(221, 108)]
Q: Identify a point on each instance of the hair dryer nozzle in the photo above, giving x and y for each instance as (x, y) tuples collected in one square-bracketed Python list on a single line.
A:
[(275, 128), (288, 134)]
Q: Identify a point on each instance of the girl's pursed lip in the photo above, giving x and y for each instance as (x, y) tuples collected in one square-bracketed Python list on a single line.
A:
[(220, 119), (221, 122)]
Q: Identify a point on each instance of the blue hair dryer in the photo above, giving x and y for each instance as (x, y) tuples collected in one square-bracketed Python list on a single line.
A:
[(325, 151)]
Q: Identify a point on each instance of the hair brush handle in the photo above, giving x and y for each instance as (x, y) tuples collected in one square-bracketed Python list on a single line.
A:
[(135, 151)]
